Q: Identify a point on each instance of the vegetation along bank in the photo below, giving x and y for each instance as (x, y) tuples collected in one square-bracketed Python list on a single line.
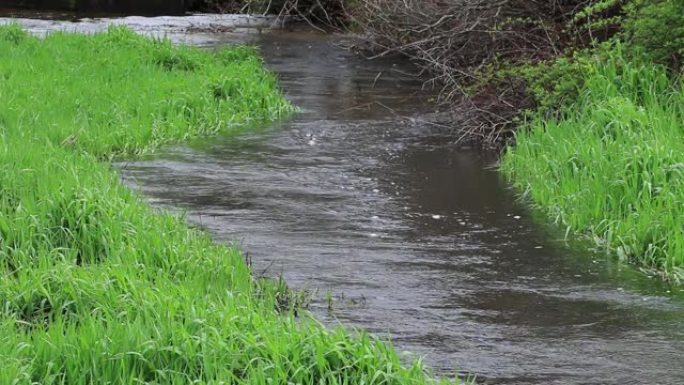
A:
[(97, 287), (585, 96), (603, 154)]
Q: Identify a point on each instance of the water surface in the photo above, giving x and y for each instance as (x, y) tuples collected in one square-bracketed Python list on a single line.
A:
[(413, 237)]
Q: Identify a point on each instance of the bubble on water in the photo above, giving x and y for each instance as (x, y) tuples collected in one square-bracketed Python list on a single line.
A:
[(539, 247), (517, 217), (373, 235), (435, 216), (376, 190), (462, 223), (375, 217)]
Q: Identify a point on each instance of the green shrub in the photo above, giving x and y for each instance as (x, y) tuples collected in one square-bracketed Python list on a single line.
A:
[(657, 26), (555, 84)]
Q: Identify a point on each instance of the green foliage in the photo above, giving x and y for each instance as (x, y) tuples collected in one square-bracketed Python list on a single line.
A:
[(657, 26), (13, 34), (651, 27), (95, 287), (596, 8), (612, 166), (598, 15), (554, 84)]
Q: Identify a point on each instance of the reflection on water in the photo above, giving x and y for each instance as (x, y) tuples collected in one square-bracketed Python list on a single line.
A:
[(414, 237)]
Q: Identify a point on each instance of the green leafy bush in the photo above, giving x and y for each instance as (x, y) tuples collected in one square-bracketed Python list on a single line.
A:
[(651, 27), (657, 26), (555, 84)]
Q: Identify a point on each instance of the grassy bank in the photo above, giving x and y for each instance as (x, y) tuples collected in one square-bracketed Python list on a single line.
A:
[(96, 287), (611, 166)]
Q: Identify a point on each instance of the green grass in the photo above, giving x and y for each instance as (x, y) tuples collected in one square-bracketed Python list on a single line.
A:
[(612, 167), (95, 286)]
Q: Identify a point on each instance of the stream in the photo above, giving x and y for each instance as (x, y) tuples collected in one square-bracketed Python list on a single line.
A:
[(393, 228)]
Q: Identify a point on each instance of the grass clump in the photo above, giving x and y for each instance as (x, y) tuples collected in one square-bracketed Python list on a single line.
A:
[(611, 166), (601, 153), (118, 93), (95, 287)]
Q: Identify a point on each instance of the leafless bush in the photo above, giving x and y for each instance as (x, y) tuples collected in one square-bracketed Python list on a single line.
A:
[(454, 40)]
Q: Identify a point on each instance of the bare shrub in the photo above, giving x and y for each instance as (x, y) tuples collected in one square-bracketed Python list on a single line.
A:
[(459, 42)]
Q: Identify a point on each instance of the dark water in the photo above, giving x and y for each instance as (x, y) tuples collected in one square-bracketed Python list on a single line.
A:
[(359, 198), (412, 236)]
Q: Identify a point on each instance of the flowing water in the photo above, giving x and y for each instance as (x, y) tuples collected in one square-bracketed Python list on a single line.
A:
[(359, 199)]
